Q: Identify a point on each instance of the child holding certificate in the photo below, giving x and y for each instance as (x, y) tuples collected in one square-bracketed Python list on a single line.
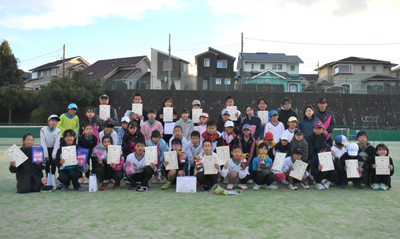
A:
[(162, 147), (229, 103), (105, 171), (50, 141), (130, 138), (29, 175), (234, 171), (254, 122), (359, 169), (70, 173), (317, 169), (150, 125), (140, 171), (262, 106), (88, 141), (381, 180), (193, 148), (261, 166), (183, 163), (210, 180), (288, 166), (168, 102)]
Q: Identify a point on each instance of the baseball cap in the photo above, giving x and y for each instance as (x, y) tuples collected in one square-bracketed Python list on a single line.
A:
[(342, 139), (225, 112), (228, 124), (352, 149), (246, 126), (108, 123), (273, 112), (318, 124), (269, 135), (204, 115), (292, 119), (54, 116), (104, 96), (72, 106), (298, 131), (196, 102), (284, 137), (322, 100), (125, 119), (297, 151)]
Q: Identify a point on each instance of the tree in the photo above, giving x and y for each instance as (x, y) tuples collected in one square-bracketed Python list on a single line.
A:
[(9, 72), (13, 97)]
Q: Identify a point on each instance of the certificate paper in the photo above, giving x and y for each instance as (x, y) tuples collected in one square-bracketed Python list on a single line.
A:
[(326, 160), (151, 155), (279, 161), (69, 155), (172, 159), (113, 154), (352, 165), (382, 165), (196, 115), (14, 154), (137, 108), (223, 154), (169, 127), (168, 114), (232, 111), (209, 162), (299, 168), (104, 112), (263, 115)]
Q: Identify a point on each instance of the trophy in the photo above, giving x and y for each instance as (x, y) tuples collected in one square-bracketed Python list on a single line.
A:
[(199, 165), (244, 161), (180, 154), (262, 163)]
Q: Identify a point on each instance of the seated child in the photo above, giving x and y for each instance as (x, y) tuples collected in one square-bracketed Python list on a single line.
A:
[(299, 141), (50, 141), (352, 153), (203, 123), (340, 145), (234, 171), (288, 166), (274, 126), (292, 123), (229, 138), (150, 125), (380, 181), (182, 167), (105, 171), (130, 138), (213, 135), (29, 175), (162, 147), (178, 134), (123, 129), (263, 176), (315, 140), (316, 169), (88, 141), (109, 131), (208, 181), (186, 123), (136, 168), (268, 139), (283, 146), (193, 148), (72, 173)]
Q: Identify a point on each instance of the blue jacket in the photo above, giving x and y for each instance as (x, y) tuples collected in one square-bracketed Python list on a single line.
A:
[(307, 126), (256, 162), (254, 122)]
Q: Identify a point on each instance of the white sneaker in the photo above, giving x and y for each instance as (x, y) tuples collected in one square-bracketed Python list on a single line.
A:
[(250, 181), (292, 187), (256, 187), (304, 185), (285, 182), (319, 186), (272, 187), (226, 181), (327, 184), (230, 187), (242, 186)]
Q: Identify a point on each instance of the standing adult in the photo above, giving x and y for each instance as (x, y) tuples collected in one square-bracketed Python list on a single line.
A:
[(307, 123), (327, 118), (105, 100), (286, 111), (137, 99)]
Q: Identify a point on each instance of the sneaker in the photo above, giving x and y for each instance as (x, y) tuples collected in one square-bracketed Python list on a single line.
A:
[(319, 186), (167, 185), (383, 187), (86, 181), (103, 186), (359, 186), (132, 187), (292, 187), (205, 188), (111, 181), (343, 185), (220, 191), (162, 180), (60, 186), (128, 182), (230, 187), (81, 189), (226, 181), (256, 187), (45, 181), (142, 189), (155, 180), (250, 181), (376, 186), (327, 184), (116, 184), (242, 186), (64, 188), (304, 185), (285, 182), (272, 187), (80, 180), (125, 178)]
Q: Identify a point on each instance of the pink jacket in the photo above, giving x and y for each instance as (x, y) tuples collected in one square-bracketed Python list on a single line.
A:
[(147, 129)]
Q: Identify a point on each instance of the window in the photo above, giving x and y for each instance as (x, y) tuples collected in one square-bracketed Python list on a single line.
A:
[(218, 81), (363, 68), (373, 68), (184, 67), (273, 66), (206, 62), (346, 88), (292, 68), (267, 82), (46, 73), (221, 64), (262, 66), (34, 75), (54, 71), (227, 81), (252, 66), (342, 69), (40, 73), (279, 66)]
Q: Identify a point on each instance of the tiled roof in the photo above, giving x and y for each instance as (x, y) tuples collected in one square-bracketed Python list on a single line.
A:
[(271, 57), (52, 64)]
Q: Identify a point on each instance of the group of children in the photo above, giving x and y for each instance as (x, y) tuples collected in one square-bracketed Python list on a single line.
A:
[(253, 146)]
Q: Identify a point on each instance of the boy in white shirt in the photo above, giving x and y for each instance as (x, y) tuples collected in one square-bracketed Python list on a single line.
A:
[(340, 145), (275, 127), (234, 171), (193, 148), (206, 181), (109, 130), (50, 141), (292, 123), (178, 134), (288, 166)]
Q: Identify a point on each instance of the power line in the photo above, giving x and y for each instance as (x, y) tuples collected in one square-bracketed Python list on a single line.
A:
[(41, 55), (186, 49), (326, 44)]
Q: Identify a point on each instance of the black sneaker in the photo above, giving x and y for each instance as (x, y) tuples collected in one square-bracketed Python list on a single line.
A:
[(205, 188), (60, 186), (127, 183), (142, 189)]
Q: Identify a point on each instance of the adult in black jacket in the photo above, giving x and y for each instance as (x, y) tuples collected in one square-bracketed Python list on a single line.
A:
[(137, 99), (286, 111)]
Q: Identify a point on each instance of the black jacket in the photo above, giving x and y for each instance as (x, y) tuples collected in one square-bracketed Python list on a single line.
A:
[(315, 162), (113, 116), (129, 138), (284, 115), (314, 143), (279, 148), (87, 144), (326, 116), (86, 121), (371, 161)]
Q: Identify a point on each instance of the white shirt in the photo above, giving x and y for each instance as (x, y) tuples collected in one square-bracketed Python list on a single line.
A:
[(276, 130), (339, 152)]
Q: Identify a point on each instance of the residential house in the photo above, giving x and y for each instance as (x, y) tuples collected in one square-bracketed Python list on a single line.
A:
[(183, 73), (215, 70), (131, 72), (42, 75), (396, 72), (279, 70), (354, 74)]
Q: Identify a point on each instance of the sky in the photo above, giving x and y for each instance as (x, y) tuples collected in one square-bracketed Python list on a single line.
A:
[(318, 31)]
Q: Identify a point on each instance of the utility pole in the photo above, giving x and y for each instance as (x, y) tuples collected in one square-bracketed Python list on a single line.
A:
[(169, 63), (64, 61), (241, 61)]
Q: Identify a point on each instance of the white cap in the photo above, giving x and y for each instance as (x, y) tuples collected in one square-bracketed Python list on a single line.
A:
[(352, 149), (285, 137), (342, 139), (125, 119), (53, 116), (228, 124)]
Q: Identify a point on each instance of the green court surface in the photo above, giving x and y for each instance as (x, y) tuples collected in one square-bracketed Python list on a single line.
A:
[(333, 213)]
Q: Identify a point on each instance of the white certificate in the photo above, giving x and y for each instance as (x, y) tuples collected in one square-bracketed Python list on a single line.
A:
[(196, 115), (151, 155), (69, 155), (223, 154), (263, 115), (137, 108), (172, 160), (279, 161), (209, 164), (14, 154), (232, 112), (326, 160), (104, 112), (168, 114), (382, 165), (352, 165), (299, 168), (169, 127), (114, 154)]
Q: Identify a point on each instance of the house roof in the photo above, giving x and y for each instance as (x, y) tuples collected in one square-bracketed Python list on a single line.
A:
[(102, 68), (27, 77), (310, 77), (56, 63), (396, 68), (354, 60), (380, 78), (175, 57), (214, 51), (271, 57)]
